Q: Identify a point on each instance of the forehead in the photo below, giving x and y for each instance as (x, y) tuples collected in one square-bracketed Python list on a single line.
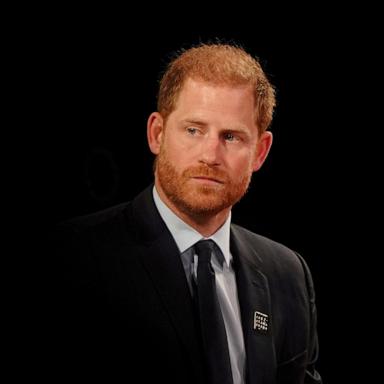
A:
[(197, 87), (225, 102)]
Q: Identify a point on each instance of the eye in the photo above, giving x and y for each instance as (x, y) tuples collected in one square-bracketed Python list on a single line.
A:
[(228, 136), (192, 131)]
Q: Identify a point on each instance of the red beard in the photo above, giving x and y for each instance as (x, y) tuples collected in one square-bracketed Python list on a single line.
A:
[(195, 199)]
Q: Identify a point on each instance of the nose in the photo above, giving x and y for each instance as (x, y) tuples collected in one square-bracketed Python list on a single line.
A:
[(210, 151)]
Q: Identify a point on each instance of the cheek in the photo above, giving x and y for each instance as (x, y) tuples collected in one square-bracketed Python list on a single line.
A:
[(238, 166), (173, 157), (177, 153)]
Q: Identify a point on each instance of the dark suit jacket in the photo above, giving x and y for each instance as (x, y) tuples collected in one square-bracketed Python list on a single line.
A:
[(124, 308)]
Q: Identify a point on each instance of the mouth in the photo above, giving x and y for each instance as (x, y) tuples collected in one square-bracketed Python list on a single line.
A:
[(207, 180)]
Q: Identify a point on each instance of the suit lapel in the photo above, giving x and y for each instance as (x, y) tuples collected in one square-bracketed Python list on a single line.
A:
[(254, 297), (161, 259)]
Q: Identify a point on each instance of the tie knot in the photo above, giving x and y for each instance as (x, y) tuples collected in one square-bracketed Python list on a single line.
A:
[(204, 249)]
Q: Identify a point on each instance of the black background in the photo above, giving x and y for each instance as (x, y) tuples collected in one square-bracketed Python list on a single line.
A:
[(102, 72)]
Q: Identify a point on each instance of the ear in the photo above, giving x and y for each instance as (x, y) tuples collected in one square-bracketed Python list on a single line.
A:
[(155, 127), (263, 146)]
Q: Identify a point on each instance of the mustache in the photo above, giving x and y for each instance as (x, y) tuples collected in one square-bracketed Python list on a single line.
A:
[(204, 171)]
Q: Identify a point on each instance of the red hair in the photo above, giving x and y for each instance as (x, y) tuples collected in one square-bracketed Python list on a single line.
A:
[(219, 64)]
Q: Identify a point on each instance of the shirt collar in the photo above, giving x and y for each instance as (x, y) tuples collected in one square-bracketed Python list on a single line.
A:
[(185, 236)]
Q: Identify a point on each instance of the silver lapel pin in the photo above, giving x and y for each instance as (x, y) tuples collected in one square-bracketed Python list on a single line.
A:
[(260, 322)]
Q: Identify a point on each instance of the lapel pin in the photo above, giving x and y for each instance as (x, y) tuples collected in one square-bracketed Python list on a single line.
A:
[(260, 322)]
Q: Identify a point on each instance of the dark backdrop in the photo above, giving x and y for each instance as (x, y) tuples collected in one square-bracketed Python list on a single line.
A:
[(103, 76)]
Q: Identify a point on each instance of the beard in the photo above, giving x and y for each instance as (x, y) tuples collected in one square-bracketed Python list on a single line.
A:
[(193, 198)]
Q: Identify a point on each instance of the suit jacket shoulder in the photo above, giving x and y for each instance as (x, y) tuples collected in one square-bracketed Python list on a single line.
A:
[(105, 223), (274, 258)]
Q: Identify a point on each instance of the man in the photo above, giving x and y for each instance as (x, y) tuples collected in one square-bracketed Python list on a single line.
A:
[(132, 299)]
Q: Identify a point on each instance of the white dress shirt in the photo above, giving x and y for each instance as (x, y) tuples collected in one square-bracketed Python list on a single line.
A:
[(185, 237)]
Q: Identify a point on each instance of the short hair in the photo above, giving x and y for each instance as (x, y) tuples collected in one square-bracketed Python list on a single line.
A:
[(219, 64)]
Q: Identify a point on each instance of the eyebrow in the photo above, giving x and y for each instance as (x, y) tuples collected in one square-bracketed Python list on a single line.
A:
[(195, 122)]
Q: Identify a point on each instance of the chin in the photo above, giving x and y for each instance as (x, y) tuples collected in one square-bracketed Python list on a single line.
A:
[(203, 205)]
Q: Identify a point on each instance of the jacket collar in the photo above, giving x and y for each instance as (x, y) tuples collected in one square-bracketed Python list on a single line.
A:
[(160, 256)]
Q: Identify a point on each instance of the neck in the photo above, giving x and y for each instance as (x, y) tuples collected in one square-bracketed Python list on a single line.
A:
[(206, 224)]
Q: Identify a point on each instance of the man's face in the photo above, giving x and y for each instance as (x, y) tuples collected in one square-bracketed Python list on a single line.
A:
[(208, 148)]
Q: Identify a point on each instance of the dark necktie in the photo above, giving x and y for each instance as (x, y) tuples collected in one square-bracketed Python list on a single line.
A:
[(215, 342)]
